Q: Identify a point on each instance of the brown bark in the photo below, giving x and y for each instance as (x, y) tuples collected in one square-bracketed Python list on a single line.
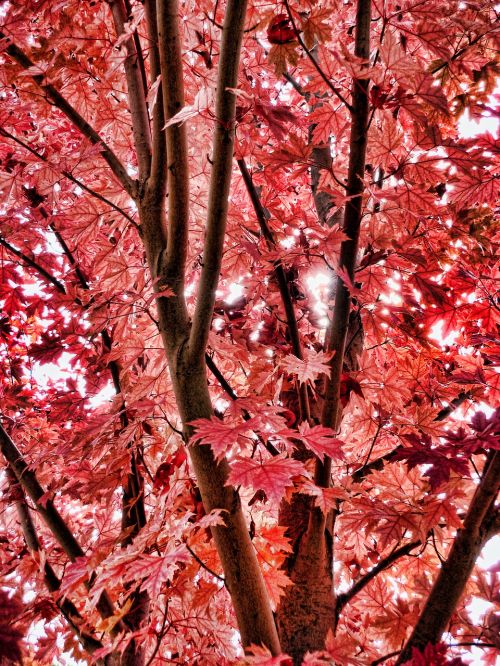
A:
[(456, 570), (241, 570)]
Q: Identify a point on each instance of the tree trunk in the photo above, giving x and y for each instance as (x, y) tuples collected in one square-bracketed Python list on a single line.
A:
[(306, 611)]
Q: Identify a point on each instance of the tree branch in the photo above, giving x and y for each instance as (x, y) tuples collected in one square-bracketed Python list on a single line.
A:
[(138, 49), (379, 463), (229, 390), (457, 568), (31, 262), (133, 495), (293, 329), (362, 582), (55, 97), (158, 178), (69, 176), (313, 60), (50, 515), (67, 608), (220, 180), (337, 331), (169, 44), (202, 564), (135, 90), (450, 645)]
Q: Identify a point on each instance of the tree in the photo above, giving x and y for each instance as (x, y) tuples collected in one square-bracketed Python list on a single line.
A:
[(262, 228)]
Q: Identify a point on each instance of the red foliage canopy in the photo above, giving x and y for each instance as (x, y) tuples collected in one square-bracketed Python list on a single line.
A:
[(348, 315)]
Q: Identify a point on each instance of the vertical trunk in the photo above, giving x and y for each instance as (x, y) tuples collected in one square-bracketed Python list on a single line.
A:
[(306, 612)]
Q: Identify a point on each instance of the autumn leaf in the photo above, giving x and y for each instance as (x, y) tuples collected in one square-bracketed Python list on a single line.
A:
[(321, 441), (219, 435), (155, 570), (272, 476), (282, 54), (308, 370), (11, 638), (276, 582), (261, 656)]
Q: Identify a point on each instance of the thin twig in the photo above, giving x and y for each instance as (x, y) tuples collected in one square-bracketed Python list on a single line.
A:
[(55, 97), (361, 583), (281, 278), (313, 60), (69, 176), (202, 564), (229, 390), (31, 262)]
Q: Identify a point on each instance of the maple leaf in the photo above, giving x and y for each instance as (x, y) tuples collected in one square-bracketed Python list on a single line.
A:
[(321, 440), (432, 655), (219, 435), (276, 116), (325, 499), (476, 187), (282, 53), (432, 292), (272, 476), (431, 92), (422, 453), (276, 582), (317, 27), (75, 574), (155, 570), (313, 366)]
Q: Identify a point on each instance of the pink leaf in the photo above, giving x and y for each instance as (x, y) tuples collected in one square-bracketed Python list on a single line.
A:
[(219, 435), (272, 476), (321, 441), (309, 369)]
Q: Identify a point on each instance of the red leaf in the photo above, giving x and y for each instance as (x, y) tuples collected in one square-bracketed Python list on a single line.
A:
[(272, 476), (321, 441), (11, 650), (219, 435), (309, 369)]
